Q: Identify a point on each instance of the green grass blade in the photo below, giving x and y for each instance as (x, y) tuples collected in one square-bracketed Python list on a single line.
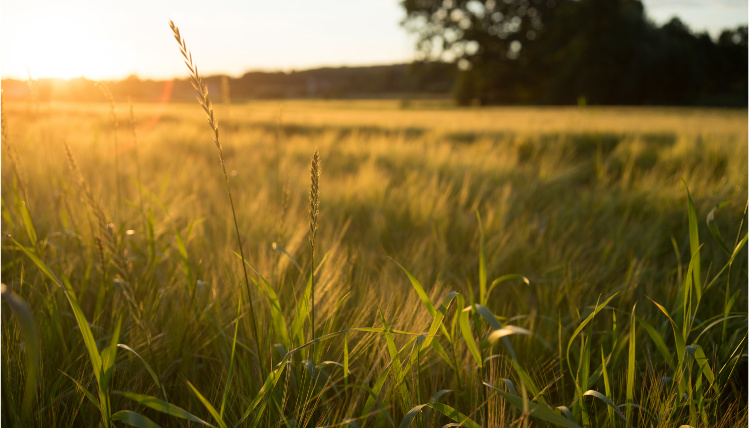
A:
[(465, 330), (510, 330), (536, 410), (504, 278), (108, 357), (489, 316), (302, 314), (270, 383), (694, 245), (454, 415), (439, 317), (133, 418), (419, 290), (411, 415), (482, 263), (148, 367), (657, 339), (607, 388), (85, 391), (461, 419), (704, 365), (279, 322), (208, 406), (182, 249), (345, 360), (713, 228), (28, 222), (631, 362), (582, 325), (162, 406), (25, 320), (397, 368), (678, 337), (231, 360), (611, 406)]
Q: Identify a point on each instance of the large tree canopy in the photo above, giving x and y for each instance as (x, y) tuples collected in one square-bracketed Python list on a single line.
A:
[(555, 51)]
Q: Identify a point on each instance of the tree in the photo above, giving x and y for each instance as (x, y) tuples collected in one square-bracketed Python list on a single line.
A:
[(553, 52), (489, 40)]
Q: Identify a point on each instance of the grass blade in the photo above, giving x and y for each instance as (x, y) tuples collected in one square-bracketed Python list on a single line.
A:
[(231, 360), (162, 406), (148, 367), (482, 263), (25, 319), (465, 330), (612, 407), (208, 406), (133, 418), (536, 410), (694, 245), (631, 362)]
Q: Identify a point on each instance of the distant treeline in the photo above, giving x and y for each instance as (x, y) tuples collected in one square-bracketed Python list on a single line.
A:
[(385, 81), (552, 52)]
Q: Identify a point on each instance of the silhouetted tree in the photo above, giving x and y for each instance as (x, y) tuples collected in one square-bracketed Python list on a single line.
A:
[(535, 51)]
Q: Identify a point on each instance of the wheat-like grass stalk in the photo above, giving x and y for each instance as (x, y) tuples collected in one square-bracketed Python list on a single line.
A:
[(205, 102), (314, 212)]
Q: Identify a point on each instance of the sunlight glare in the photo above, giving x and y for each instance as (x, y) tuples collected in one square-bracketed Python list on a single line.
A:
[(61, 45)]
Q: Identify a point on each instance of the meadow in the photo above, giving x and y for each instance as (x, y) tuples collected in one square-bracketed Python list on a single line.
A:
[(514, 266)]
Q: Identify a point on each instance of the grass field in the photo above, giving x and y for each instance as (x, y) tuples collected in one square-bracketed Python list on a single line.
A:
[(617, 283)]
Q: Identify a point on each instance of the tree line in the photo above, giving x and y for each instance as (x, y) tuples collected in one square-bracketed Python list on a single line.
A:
[(483, 52), (567, 51)]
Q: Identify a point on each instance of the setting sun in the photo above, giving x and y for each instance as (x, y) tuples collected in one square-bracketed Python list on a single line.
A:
[(55, 44)]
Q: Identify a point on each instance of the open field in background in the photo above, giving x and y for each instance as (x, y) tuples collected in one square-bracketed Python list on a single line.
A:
[(585, 203)]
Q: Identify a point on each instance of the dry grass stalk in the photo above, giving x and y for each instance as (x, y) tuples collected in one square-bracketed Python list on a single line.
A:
[(104, 228), (205, 102), (314, 211)]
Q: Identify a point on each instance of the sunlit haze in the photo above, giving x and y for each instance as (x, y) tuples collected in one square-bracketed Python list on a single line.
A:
[(112, 40)]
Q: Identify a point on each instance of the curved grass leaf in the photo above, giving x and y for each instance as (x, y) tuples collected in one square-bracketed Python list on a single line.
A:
[(279, 322), (162, 406), (442, 408), (577, 331), (510, 330), (607, 400), (85, 391), (148, 367), (536, 410), (465, 330), (678, 337), (504, 278), (133, 418), (208, 406), (566, 412), (657, 339)]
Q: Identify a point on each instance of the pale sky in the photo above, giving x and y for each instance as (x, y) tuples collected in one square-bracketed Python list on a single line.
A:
[(109, 39)]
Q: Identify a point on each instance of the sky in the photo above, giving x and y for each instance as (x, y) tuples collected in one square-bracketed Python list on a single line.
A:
[(109, 39)]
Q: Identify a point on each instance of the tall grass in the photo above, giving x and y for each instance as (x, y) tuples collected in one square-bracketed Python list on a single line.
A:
[(562, 275)]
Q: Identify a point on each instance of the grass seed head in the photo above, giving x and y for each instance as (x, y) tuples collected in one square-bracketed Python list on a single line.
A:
[(314, 196)]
